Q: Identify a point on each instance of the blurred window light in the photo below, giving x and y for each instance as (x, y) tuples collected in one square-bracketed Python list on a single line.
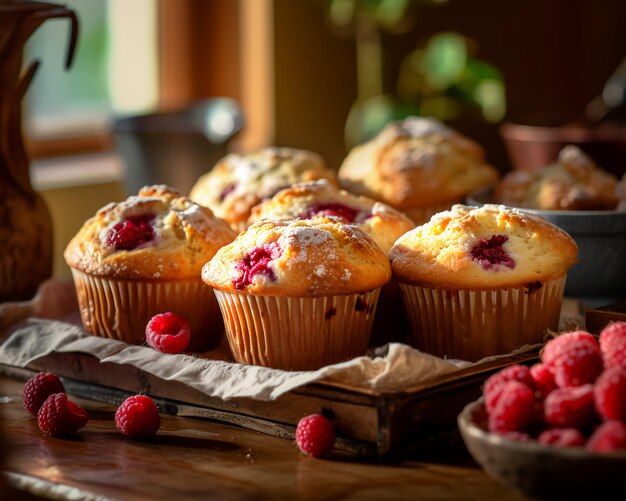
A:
[(114, 72)]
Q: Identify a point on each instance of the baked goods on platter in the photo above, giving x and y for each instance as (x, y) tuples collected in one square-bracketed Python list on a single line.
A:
[(143, 256)]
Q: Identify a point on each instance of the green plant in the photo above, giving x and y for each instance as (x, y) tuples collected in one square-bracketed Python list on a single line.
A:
[(441, 77)]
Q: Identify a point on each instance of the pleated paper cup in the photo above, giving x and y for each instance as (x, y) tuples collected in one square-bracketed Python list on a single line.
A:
[(120, 309), (297, 333), (472, 324)]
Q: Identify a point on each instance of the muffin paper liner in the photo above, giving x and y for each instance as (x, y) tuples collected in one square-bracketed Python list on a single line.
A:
[(120, 309), (471, 324), (297, 333)]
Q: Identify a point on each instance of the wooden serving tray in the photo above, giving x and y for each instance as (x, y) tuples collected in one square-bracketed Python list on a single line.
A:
[(372, 423)]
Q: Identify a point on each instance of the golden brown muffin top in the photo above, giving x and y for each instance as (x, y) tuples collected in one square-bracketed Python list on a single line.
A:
[(490, 247), (239, 182), (573, 182), (415, 163), (156, 235), (299, 258), (307, 200)]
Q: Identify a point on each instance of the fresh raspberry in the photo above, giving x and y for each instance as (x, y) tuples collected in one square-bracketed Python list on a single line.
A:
[(168, 333), (131, 233), (610, 394), (138, 417), (571, 407), (543, 379), (516, 409), (491, 254), (59, 416), (574, 358), (562, 437), (315, 435), (609, 436), (333, 209), (257, 261), (556, 346), (613, 345), (494, 384), (38, 388)]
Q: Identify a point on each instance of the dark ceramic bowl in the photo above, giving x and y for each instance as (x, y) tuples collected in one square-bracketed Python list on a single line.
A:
[(601, 239), (540, 471), (532, 147)]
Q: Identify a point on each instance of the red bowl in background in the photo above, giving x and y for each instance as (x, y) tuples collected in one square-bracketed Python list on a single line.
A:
[(533, 147)]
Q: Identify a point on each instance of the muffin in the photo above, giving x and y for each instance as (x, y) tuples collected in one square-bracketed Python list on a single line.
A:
[(314, 198), (239, 182), (482, 281), (298, 295), (418, 166), (380, 221), (573, 182), (143, 256)]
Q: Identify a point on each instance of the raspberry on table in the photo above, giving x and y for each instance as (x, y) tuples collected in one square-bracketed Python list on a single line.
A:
[(315, 435), (59, 416), (38, 388), (168, 333), (138, 417), (492, 388), (516, 409), (571, 407), (610, 394), (543, 379), (613, 345), (574, 358), (609, 436), (562, 437)]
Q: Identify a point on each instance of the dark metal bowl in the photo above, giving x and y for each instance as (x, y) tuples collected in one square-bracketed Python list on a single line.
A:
[(537, 470), (601, 238)]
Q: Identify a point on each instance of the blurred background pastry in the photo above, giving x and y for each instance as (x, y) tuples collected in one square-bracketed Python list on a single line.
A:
[(417, 165), (573, 182), (238, 182)]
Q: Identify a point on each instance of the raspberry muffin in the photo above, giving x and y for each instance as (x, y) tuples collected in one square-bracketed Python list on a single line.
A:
[(144, 256), (322, 198), (239, 182), (418, 166), (380, 221), (482, 281), (298, 295), (573, 182)]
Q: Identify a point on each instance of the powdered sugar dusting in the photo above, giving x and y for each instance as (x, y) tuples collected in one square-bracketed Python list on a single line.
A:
[(423, 127)]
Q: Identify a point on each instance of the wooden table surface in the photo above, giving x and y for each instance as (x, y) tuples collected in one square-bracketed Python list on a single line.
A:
[(197, 459)]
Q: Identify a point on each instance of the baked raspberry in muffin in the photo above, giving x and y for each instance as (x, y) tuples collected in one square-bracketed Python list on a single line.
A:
[(482, 281), (143, 256), (573, 182), (322, 198), (417, 165), (239, 182), (298, 295)]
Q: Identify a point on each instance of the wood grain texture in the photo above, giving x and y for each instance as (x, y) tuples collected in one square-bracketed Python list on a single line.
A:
[(196, 459)]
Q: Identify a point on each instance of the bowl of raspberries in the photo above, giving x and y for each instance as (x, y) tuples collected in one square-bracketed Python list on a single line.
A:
[(556, 429)]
